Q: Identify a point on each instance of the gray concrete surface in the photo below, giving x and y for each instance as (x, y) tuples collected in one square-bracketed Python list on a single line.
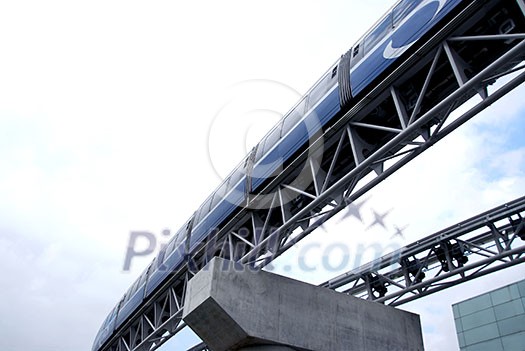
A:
[(266, 348), (232, 309)]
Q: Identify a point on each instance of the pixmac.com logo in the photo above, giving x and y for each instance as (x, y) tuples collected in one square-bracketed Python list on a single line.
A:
[(330, 255), (315, 256), (144, 244)]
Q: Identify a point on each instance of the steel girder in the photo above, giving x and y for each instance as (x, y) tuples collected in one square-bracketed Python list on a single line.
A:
[(480, 245), (483, 244), (417, 128), (407, 112)]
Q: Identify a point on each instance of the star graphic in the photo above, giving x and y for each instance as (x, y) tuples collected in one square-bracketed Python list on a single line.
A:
[(354, 210), (379, 219), (399, 232)]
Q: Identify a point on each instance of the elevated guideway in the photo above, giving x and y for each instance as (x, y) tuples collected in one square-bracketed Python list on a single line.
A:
[(412, 108), (481, 245)]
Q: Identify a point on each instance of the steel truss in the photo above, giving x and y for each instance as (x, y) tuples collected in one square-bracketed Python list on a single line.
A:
[(483, 244), (406, 113)]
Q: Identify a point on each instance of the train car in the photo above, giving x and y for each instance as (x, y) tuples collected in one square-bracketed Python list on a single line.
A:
[(170, 259), (372, 57), (106, 329), (134, 296)]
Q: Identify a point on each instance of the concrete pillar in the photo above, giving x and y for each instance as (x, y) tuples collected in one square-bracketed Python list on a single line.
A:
[(233, 309)]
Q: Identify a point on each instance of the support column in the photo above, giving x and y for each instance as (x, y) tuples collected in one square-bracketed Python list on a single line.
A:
[(234, 309)]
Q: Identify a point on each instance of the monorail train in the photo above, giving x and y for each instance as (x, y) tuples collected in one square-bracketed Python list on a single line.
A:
[(376, 54)]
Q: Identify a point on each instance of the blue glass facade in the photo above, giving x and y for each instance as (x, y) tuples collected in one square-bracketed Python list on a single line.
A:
[(494, 321)]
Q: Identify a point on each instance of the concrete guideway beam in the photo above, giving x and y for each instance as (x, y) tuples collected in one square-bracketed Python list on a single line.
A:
[(233, 308)]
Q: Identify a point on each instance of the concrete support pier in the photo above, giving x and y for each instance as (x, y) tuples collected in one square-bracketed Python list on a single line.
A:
[(233, 308)]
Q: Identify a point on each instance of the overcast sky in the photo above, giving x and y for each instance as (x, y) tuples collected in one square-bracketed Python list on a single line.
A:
[(111, 120)]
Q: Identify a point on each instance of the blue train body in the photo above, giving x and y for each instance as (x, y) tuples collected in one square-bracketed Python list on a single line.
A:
[(371, 56)]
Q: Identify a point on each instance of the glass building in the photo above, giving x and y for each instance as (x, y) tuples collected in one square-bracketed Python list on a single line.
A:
[(494, 321)]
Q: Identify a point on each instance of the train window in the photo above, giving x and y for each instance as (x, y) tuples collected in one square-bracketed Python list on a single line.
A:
[(155, 264), (260, 150), (128, 295), (236, 175), (145, 274), (293, 117), (204, 209), (181, 235), (107, 318), (207, 203), (402, 10), (172, 243), (211, 200), (143, 277), (137, 283), (219, 194), (121, 302), (317, 92), (110, 316), (132, 290), (198, 215), (176, 240), (161, 257), (356, 50), (272, 138), (378, 33)]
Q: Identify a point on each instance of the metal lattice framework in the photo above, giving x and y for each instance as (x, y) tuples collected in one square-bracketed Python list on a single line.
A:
[(407, 112), (480, 245)]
